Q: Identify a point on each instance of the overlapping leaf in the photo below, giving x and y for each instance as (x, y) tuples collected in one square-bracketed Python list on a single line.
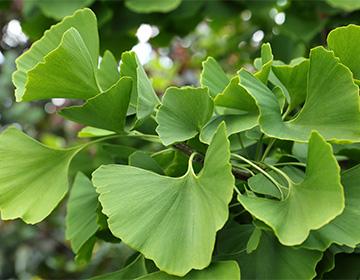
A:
[(143, 96), (331, 105), (106, 110), (134, 270), (344, 229), (81, 44), (33, 177), (310, 204), (149, 211), (240, 111), (293, 80), (184, 111), (344, 42), (213, 77), (81, 214), (108, 72), (225, 270)]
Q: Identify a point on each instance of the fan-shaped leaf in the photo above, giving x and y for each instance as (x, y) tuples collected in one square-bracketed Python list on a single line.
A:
[(33, 177), (184, 111), (213, 77), (106, 110), (66, 71), (344, 229), (84, 21), (149, 211), (344, 42), (331, 106), (240, 111), (309, 204)]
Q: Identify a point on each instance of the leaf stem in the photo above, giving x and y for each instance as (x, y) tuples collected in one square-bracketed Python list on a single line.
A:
[(238, 174), (259, 148), (268, 148), (267, 175)]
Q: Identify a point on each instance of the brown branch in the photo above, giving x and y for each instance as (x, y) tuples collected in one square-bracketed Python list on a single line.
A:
[(238, 174)]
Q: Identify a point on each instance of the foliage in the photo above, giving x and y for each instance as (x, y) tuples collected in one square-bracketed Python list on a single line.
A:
[(240, 175)]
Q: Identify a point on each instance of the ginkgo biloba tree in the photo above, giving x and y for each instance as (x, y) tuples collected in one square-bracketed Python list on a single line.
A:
[(243, 174)]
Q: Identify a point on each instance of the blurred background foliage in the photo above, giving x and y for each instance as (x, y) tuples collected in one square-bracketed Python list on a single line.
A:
[(171, 38)]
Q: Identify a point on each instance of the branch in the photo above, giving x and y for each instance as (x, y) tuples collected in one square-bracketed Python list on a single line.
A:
[(238, 174)]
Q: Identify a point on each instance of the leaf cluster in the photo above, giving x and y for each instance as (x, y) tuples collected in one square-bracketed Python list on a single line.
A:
[(241, 178)]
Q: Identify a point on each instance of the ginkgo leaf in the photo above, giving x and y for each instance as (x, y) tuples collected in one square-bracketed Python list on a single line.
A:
[(81, 212), (66, 71), (144, 6), (60, 9), (149, 211), (240, 111), (108, 72), (213, 77), (266, 62), (143, 96), (270, 260), (310, 204), (224, 270), (84, 21), (33, 177), (106, 110), (331, 105), (134, 270), (344, 229), (294, 79), (184, 111), (344, 41)]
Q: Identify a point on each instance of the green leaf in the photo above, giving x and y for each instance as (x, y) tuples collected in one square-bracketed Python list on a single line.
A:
[(213, 77), (347, 5), (344, 42), (306, 206), (132, 271), (225, 270), (149, 211), (262, 185), (331, 106), (108, 73), (84, 21), (345, 228), (60, 9), (146, 6), (143, 96), (83, 256), (145, 161), (184, 111), (89, 132), (33, 177), (266, 62), (240, 111), (294, 79), (81, 213), (271, 260), (67, 72), (106, 110)]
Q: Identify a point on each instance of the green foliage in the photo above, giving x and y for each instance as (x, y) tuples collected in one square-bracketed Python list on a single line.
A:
[(203, 180)]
